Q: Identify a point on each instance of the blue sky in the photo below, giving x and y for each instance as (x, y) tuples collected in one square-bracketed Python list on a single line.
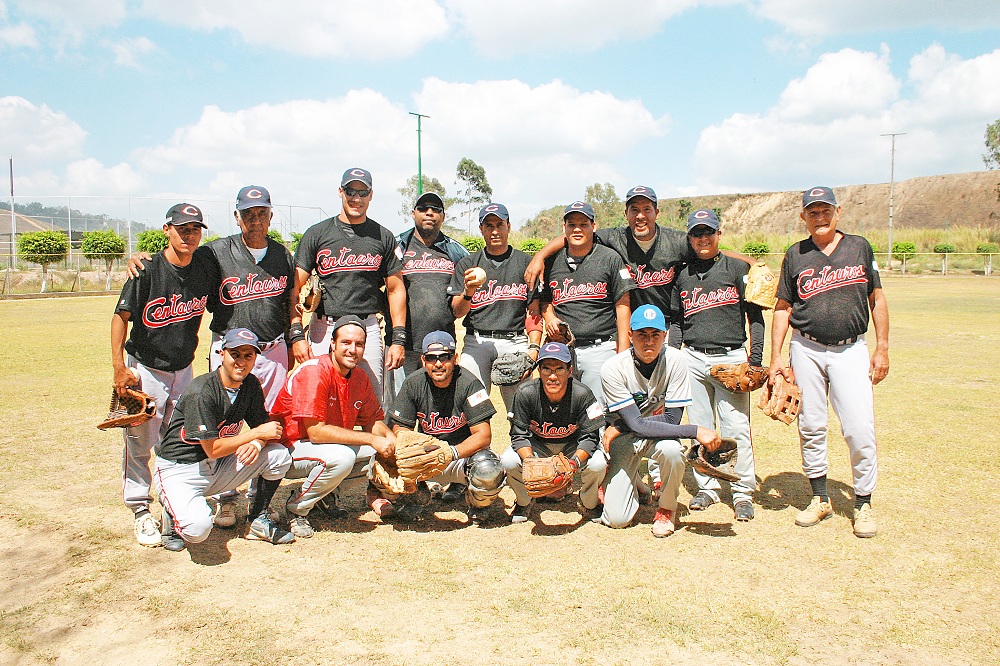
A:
[(167, 100)]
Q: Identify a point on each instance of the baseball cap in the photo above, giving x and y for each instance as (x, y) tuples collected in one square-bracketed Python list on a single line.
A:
[(356, 174), (647, 316), (183, 213), (348, 319), (252, 196), (497, 209), (240, 337), (580, 207), (437, 339), (703, 216), (429, 199), (820, 193), (556, 350), (641, 191)]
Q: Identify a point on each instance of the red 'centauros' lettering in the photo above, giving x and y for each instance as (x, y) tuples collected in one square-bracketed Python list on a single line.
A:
[(158, 314), (587, 291), (828, 278), (499, 292), (696, 300), (327, 263), (434, 423), (548, 431), (645, 279), (250, 290)]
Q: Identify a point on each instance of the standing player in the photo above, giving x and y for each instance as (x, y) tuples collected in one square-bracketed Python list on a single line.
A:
[(501, 316), (319, 407), (354, 257), (587, 287), (164, 306), (709, 294), (647, 388), (451, 404), (551, 416), (207, 451), (828, 284)]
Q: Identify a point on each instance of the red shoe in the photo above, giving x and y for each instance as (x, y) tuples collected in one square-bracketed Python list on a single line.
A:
[(380, 505), (663, 523)]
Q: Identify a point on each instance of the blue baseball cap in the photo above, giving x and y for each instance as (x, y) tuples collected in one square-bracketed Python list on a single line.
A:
[(183, 213), (556, 350), (703, 216), (818, 194), (580, 207), (240, 337), (252, 196), (497, 209), (647, 316), (440, 340), (356, 174), (641, 191)]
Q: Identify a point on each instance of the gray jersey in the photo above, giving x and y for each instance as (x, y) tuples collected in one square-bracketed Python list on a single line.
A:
[(668, 386)]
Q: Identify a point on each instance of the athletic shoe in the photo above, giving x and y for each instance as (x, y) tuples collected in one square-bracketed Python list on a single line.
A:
[(300, 527), (422, 495), (147, 532), (435, 488), (663, 523), (743, 511), (593, 515), (225, 514), (519, 514), (408, 512), (816, 511), (380, 505), (478, 515), (701, 501), (264, 529), (455, 492), (170, 540), (864, 521), (330, 505)]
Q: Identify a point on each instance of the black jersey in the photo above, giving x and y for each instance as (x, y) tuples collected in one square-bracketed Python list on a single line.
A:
[(205, 411), (710, 295), (251, 295), (653, 272), (352, 261), (585, 298), (829, 295), (502, 302), (572, 423), (445, 413), (165, 305), (427, 272)]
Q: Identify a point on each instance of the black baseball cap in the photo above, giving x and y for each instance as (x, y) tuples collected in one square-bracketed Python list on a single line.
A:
[(239, 337), (497, 209), (555, 350), (429, 199), (580, 207), (349, 319), (641, 191), (438, 339), (356, 174), (252, 196), (817, 194), (183, 213), (703, 216)]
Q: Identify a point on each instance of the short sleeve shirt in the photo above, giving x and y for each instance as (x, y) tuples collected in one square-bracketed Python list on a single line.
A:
[(654, 271), (445, 413), (427, 271), (558, 427), (710, 297), (502, 302), (668, 386)]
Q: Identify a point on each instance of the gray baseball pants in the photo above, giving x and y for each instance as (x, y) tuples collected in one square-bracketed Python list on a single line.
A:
[(591, 475), (324, 466), (621, 499)]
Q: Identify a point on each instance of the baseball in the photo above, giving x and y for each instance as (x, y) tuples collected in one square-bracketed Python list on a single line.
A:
[(479, 273)]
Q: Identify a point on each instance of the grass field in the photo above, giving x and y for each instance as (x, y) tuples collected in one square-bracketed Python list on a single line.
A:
[(76, 589)]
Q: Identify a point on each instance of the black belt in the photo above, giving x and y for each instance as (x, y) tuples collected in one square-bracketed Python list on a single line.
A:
[(265, 346), (502, 335), (714, 351), (333, 320), (848, 341), (581, 343)]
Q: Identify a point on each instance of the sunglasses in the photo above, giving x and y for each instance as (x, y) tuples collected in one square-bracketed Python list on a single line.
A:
[(701, 232), (351, 192), (423, 208), (434, 358)]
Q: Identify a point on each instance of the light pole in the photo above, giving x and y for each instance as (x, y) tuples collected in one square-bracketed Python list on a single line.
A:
[(420, 170), (892, 183)]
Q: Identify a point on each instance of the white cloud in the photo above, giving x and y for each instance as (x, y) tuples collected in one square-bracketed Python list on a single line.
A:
[(72, 19), (36, 134), (90, 177), (819, 133), (373, 30), (17, 36), (128, 51), (827, 17)]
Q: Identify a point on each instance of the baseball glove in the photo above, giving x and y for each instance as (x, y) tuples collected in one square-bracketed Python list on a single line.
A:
[(546, 476), (564, 336), (762, 286), (720, 463), (310, 294), (508, 369), (131, 409), (385, 476), (420, 457), (781, 401), (741, 377)]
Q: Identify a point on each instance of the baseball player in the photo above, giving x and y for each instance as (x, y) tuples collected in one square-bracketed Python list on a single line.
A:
[(828, 284), (586, 285), (207, 451), (709, 293), (449, 403), (647, 388), (501, 313), (556, 415), (354, 257), (324, 399), (164, 306)]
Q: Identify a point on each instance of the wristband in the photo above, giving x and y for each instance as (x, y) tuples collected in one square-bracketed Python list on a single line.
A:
[(533, 346), (454, 452), (466, 297), (575, 462), (296, 333), (256, 444), (398, 336)]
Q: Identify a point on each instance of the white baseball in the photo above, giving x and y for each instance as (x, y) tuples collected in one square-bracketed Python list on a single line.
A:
[(479, 273)]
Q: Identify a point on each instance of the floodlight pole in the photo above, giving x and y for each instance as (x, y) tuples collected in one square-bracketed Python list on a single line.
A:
[(420, 171), (892, 183)]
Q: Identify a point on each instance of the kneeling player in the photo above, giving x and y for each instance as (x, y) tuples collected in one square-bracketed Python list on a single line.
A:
[(205, 453), (555, 415)]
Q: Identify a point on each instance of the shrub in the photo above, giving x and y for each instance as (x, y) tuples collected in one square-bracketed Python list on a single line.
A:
[(152, 241), (473, 243), (944, 248), (209, 239), (756, 249), (532, 245), (44, 248), (276, 235), (988, 248), (296, 237), (903, 250), (104, 244)]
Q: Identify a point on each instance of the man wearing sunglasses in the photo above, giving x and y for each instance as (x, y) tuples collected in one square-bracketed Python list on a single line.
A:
[(448, 402), (354, 257)]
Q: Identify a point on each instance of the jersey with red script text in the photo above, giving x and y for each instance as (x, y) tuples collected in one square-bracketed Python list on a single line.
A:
[(427, 271), (571, 424), (653, 272), (445, 413), (502, 302)]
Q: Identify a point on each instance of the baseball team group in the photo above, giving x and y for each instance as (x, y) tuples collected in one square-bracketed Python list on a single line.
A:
[(597, 344)]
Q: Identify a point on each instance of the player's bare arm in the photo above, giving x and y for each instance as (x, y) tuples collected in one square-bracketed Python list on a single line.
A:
[(247, 444), (320, 432), (551, 322), (123, 376), (779, 329), (537, 264), (395, 290), (473, 279), (300, 349), (880, 318), (622, 313)]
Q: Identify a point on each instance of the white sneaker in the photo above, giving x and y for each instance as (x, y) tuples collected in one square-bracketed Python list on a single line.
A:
[(147, 531), (225, 514)]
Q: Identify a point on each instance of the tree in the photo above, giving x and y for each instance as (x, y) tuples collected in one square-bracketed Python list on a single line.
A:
[(991, 158), (608, 208), (43, 247), (476, 188), (152, 241), (684, 209), (409, 193), (103, 244), (275, 235)]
